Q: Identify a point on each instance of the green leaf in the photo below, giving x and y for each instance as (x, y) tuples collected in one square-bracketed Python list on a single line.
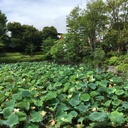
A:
[(114, 97), (75, 100), (71, 90), (116, 102), (66, 86), (63, 106), (33, 126), (22, 116), (85, 97), (111, 90), (12, 120), (59, 113), (93, 93), (125, 86), (119, 92), (117, 118), (26, 93), (125, 104), (82, 108), (36, 117), (73, 113), (98, 116), (81, 119), (66, 118), (57, 84), (107, 103), (7, 112), (51, 95), (99, 98), (73, 78), (117, 80), (23, 104), (92, 86), (10, 103), (38, 103)]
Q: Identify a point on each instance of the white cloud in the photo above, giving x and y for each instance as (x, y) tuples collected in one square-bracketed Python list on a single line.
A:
[(39, 13)]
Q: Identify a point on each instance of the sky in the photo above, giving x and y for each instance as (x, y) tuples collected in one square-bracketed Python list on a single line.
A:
[(40, 13)]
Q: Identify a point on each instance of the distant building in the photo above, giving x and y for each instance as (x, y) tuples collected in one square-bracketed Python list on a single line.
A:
[(59, 35), (9, 33)]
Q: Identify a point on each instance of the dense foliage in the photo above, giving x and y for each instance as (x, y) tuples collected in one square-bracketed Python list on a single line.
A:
[(34, 95), (3, 20), (100, 26)]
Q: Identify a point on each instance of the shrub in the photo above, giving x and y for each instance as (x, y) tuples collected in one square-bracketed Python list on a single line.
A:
[(113, 60), (122, 67)]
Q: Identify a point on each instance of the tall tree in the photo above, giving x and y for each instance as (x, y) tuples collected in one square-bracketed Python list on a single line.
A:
[(95, 16), (118, 17), (49, 32), (31, 39), (24, 37), (17, 35), (49, 35), (3, 20), (86, 25)]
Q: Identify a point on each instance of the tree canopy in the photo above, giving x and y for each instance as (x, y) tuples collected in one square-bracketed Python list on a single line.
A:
[(3, 20)]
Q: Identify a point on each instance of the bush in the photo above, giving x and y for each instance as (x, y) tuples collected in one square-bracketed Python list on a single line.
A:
[(13, 58), (122, 67), (113, 60), (98, 56)]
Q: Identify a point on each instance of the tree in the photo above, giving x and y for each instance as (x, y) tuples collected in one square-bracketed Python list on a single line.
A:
[(49, 32), (64, 50), (49, 35), (118, 17), (95, 17), (17, 35), (76, 32), (24, 37), (85, 26), (31, 39), (3, 21)]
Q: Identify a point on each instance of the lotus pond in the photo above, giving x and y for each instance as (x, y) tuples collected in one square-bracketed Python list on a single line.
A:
[(42, 94)]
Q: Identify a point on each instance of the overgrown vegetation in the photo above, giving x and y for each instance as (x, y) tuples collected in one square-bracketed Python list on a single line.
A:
[(86, 94), (51, 95), (100, 27)]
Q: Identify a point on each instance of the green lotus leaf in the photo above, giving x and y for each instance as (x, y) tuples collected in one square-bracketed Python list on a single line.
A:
[(111, 90), (26, 93), (117, 118), (75, 100), (119, 92), (116, 102), (73, 113), (66, 86), (22, 116), (93, 93), (98, 116), (51, 95), (7, 111), (12, 120), (107, 103), (36, 117), (10, 103), (85, 97), (63, 106), (82, 108), (125, 104), (92, 86), (57, 84), (125, 86), (99, 98)]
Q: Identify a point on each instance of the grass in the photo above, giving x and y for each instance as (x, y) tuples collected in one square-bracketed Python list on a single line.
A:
[(20, 57)]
